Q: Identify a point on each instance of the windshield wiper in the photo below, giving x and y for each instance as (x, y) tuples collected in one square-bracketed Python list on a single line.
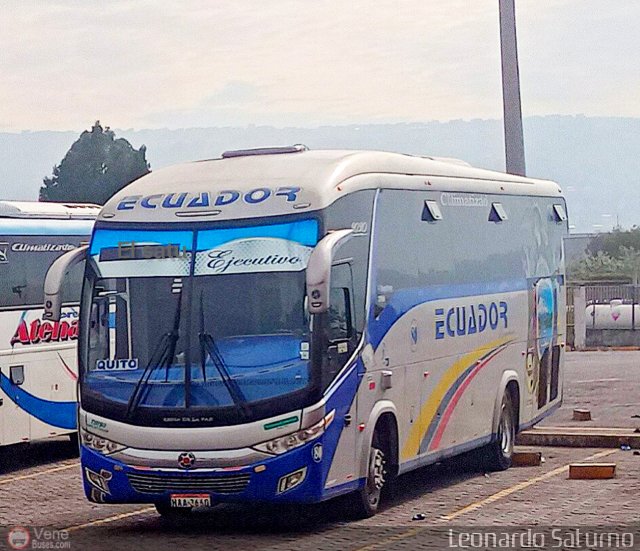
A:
[(208, 345), (164, 352)]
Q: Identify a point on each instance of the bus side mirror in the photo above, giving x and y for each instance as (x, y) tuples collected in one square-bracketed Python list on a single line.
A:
[(319, 270), (54, 279)]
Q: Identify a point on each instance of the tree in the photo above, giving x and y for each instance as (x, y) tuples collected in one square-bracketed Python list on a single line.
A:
[(96, 166), (615, 242), (613, 257), (599, 267)]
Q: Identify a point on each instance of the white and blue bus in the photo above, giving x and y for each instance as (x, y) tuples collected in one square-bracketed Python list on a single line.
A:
[(38, 371), (286, 325)]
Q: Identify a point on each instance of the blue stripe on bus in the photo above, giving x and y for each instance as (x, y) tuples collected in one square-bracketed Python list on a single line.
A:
[(45, 227), (404, 300), (57, 414), (302, 231)]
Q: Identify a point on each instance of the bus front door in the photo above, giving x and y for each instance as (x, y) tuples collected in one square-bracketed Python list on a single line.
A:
[(340, 345), (14, 419)]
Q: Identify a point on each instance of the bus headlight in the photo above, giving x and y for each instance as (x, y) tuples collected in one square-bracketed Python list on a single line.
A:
[(99, 444), (285, 443)]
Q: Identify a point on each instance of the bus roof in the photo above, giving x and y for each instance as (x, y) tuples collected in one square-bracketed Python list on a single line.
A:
[(41, 210), (273, 181)]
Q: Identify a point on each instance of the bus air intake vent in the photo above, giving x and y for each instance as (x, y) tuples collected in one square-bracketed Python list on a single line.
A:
[(156, 484), (265, 151)]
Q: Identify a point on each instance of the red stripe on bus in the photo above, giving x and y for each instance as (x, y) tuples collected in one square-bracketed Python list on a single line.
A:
[(456, 397)]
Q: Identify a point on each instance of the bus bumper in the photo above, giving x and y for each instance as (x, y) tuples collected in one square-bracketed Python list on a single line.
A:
[(294, 477)]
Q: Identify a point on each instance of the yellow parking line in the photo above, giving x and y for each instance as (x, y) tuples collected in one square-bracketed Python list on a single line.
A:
[(481, 503), (446, 518), (39, 473), (521, 486), (110, 519)]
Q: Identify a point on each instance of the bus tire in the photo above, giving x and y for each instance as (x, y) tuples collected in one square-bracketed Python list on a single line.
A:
[(498, 454), (366, 501)]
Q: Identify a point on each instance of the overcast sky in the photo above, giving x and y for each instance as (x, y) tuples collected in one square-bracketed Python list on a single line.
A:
[(156, 63)]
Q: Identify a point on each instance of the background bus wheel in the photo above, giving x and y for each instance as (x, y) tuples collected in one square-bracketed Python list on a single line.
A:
[(367, 500), (498, 456)]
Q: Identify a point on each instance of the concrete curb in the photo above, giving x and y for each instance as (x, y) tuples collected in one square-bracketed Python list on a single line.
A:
[(606, 349), (579, 437)]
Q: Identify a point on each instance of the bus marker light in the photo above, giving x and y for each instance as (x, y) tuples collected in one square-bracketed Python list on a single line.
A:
[(425, 374), (281, 423), (361, 427), (372, 385), (260, 468)]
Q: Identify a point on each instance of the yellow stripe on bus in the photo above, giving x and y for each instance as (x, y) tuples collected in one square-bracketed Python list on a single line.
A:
[(430, 407)]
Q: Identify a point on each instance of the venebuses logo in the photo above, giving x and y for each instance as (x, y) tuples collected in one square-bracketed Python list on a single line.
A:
[(36, 537), (18, 538)]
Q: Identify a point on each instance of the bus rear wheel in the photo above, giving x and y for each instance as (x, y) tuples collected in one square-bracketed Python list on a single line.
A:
[(366, 501), (499, 453)]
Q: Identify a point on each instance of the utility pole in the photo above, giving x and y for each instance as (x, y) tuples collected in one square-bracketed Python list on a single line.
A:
[(513, 135)]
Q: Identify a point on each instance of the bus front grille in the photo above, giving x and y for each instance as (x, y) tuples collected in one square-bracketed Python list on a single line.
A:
[(156, 484)]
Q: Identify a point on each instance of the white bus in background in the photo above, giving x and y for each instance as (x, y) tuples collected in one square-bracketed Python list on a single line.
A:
[(38, 367), (288, 325)]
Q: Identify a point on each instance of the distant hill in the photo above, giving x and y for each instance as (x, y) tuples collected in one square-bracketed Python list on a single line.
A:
[(595, 159)]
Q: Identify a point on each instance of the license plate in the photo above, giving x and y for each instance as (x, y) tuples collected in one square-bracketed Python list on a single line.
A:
[(190, 500)]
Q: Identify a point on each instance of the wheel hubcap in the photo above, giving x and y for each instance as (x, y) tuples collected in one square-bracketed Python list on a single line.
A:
[(506, 433), (377, 473)]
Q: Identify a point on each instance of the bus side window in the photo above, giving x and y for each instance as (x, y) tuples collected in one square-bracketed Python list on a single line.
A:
[(99, 321), (382, 299), (340, 321)]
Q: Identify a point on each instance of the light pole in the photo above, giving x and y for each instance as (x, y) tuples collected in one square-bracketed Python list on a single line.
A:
[(513, 135)]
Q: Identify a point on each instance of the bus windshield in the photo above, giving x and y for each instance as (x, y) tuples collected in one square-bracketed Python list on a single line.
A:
[(198, 328)]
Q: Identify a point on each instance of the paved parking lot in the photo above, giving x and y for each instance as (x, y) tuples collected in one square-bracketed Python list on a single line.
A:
[(44, 489), (607, 383)]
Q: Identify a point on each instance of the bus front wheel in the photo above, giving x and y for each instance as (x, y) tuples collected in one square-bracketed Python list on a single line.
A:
[(366, 501)]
